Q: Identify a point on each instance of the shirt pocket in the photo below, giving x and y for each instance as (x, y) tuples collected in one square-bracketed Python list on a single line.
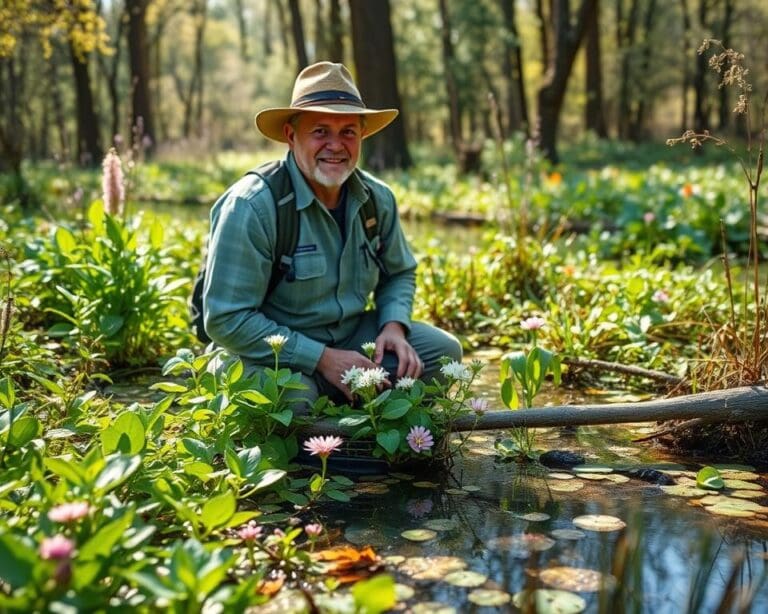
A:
[(309, 266), (367, 275)]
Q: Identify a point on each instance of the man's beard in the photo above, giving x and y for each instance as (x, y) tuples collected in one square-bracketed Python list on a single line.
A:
[(329, 181)]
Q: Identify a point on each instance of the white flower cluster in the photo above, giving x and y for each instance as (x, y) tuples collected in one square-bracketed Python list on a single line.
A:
[(369, 348), (454, 370), (405, 383), (362, 379)]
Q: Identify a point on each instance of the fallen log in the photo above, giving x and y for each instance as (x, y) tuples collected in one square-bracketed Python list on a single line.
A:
[(748, 403), (616, 367)]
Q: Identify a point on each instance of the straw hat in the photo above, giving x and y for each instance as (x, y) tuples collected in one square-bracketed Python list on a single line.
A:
[(326, 88)]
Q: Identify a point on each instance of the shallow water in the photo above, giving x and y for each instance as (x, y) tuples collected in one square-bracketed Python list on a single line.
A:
[(671, 545)]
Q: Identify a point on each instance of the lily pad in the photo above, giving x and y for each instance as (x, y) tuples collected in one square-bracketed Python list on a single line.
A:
[(737, 504), (365, 536), (747, 494), (567, 534), (521, 545), (576, 579), (489, 597), (735, 474), (425, 484), (742, 485), (599, 522), (418, 535), (592, 469), (733, 467), (371, 488), (466, 578), (556, 475), (394, 559), (535, 517), (684, 490), (432, 607), (550, 601), (593, 476), (456, 492), (406, 477), (431, 567), (441, 524), (571, 486), (471, 488), (727, 510), (403, 592), (616, 478)]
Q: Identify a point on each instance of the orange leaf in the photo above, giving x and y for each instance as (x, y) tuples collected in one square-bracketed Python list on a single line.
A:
[(271, 586)]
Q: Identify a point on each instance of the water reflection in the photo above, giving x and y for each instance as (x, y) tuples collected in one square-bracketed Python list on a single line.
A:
[(504, 521)]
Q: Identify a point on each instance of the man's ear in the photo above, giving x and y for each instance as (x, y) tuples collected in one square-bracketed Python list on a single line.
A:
[(289, 132)]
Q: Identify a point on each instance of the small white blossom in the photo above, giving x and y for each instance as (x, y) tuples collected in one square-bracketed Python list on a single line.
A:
[(405, 383), (456, 371), (369, 348), (371, 378), (276, 342), (478, 405), (350, 376)]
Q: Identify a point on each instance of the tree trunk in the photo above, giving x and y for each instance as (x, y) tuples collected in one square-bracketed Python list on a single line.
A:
[(89, 151), (376, 70), (321, 41), (686, 63), (336, 33), (242, 28), (110, 71), (283, 21), (266, 32), (749, 403), (568, 34), (12, 129), (141, 116), (512, 68), (193, 100), (625, 39), (58, 108), (545, 39), (637, 121), (700, 106), (297, 28), (724, 110), (454, 107), (595, 116)]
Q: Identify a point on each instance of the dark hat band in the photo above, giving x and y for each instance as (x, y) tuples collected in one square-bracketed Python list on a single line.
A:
[(328, 97)]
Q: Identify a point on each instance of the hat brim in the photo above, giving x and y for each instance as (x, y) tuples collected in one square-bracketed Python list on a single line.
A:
[(270, 122)]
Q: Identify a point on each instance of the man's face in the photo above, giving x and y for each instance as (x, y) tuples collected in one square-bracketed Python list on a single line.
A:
[(326, 146)]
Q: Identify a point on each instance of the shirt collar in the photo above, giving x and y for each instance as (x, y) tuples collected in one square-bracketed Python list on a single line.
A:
[(356, 189)]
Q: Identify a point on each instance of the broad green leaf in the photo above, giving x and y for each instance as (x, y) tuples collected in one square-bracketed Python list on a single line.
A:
[(235, 371), (233, 462), (96, 216), (129, 427), (249, 459), (23, 430), (168, 387), (709, 478), (254, 396), (198, 449), (218, 510), (65, 241), (17, 560), (293, 497), (337, 495), (396, 409), (156, 234), (199, 469), (110, 324), (263, 479), (375, 595), (67, 469), (219, 403), (353, 420), (316, 484), (117, 470), (284, 417), (509, 394), (7, 392), (153, 584), (390, 440), (49, 385)]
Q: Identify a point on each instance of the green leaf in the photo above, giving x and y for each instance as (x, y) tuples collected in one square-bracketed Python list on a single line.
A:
[(218, 510), (110, 324), (353, 420), (254, 396), (266, 478), (249, 459), (233, 462), (709, 478), (67, 469), (235, 371), (293, 497), (127, 427), (17, 560), (283, 417), (7, 392), (23, 430), (117, 470), (390, 440), (509, 394), (153, 584), (375, 595), (49, 385), (100, 547), (65, 241), (337, 495), (156, 234), (395, 409), (168, 387), (342, 480), (316, 484)]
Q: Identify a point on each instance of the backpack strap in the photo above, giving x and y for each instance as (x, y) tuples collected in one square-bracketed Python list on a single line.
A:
[(278, 180)]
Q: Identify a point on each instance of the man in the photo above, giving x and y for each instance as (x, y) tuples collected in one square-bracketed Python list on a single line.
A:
[(320, 307)]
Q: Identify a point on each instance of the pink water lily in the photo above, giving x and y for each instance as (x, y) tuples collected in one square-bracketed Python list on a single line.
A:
[(69, 512), (56, 548), (420, 439), (314, 529), (250, 532), (323, 446), (533, 323)]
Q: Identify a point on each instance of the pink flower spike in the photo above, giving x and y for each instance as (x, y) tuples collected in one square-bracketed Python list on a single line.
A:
[(57, 548), (323, 446), (250, 532), (478, 405), (69, 512), (420, 439), (314, 530), (533, 323)]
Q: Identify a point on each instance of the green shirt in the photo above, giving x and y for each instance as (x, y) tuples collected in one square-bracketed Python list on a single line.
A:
[(334, 277)]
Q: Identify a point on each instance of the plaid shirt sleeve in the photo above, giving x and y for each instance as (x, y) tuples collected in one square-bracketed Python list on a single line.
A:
[(239, 265)]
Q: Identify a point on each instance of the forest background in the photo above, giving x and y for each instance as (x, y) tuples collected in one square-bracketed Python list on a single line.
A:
[(185, 78)]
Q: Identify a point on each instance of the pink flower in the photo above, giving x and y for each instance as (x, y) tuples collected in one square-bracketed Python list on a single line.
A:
[(533, 323), (478, 405), (69, 512), (420, 439), (57, 547), (661, 296), (323, 446), (112, 183), (649, 216), (250, 532), (314, 529)]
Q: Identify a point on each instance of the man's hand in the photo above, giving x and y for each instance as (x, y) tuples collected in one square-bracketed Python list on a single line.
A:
[(334, 362), (392, 339)]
